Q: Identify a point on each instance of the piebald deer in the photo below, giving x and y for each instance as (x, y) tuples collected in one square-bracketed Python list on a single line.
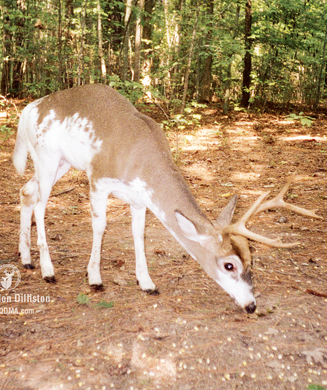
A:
[(125, 153)]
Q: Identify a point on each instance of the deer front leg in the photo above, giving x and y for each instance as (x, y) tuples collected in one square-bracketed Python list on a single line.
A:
[(98, 210), (138, 225)]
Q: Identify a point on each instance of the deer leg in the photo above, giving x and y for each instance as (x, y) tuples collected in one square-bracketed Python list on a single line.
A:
[(47, 270), (47, 178), (138, 225), (29, 197), (99, 220)]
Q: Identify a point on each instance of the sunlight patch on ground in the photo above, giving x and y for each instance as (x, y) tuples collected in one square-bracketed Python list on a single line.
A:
[(306, 137), (243, 123), (200, 172), (245, 176), (245, 143)]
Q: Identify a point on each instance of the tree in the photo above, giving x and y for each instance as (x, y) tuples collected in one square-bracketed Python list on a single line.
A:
[(138, 41), (189, 63), (125, 49), (205, 89), (100, 44), (247, 57)]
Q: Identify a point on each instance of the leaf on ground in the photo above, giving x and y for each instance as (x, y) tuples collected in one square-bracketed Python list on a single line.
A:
[(274, 364), (317, 355)]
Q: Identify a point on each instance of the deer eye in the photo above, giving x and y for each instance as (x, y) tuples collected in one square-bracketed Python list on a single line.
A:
[(229, 267)]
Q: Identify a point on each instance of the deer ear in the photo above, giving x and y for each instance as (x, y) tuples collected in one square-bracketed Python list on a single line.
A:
[(189, 228), (226, 216)]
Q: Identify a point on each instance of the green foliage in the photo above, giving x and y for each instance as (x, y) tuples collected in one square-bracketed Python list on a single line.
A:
[(83, 299), (105, 305), (130, 89), (189, 118), (316, 387), (5, 131), (304, 119), (49, 46)]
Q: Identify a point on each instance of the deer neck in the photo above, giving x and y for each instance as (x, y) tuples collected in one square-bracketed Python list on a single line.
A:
[(172, 194)]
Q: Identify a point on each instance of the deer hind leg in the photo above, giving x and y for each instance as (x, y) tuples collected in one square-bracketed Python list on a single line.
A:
[(138, 225), (48, 176), (98, 200), (28, 197), (34, 197)]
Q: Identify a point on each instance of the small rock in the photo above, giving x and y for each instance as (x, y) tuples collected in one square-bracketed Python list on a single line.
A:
[(120, 282), (56, 237), (272, 331)]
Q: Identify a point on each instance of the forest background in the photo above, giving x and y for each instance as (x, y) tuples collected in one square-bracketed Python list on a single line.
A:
[(239, 53)]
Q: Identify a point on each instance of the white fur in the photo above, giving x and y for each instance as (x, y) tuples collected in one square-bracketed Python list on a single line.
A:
[(232, 282), (74, 137), (139, 196), (54, 146), (237, 289)]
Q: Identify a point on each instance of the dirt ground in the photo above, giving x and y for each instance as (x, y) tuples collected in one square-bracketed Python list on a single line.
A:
[(192, 335)]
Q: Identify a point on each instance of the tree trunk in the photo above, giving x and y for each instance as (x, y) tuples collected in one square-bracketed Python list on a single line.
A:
[(80, 69), (167, 60), (124, 65), (60, 78), (69, 15), (138, 42), (147, 36), (100, 45), (187, 73), (17, 45), (229, 66), (247, 58), (7, 39), (205, 92), (320, 77)]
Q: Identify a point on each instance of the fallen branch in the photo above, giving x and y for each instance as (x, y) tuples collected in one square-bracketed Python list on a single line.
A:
[(62, 192), (311, 292), (316, 293)]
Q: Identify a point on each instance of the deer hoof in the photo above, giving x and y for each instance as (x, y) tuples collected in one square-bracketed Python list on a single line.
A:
[(28, 266), (50, 279), (153, 292), (97, 287)]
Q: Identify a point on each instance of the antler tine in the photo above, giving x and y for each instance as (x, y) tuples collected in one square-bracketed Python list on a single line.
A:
[(240, 229), (253, 209), (278, 201)]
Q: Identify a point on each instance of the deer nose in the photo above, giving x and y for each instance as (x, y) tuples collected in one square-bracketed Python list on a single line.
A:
[(251, 307)]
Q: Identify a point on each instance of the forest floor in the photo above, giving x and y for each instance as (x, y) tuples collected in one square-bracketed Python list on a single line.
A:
[(192, 335)]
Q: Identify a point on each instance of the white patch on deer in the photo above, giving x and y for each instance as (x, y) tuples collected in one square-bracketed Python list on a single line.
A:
[(232, 282), (74, 137), (139, 196), (135, 192)]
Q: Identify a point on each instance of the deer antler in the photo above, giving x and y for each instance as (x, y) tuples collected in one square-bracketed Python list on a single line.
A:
[(239, 228), (278, 201)]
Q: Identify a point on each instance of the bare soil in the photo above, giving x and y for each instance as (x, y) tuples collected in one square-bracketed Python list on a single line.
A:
[(192, 335)]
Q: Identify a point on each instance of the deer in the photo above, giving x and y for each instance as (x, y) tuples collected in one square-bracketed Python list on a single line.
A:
[(126, 153)]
